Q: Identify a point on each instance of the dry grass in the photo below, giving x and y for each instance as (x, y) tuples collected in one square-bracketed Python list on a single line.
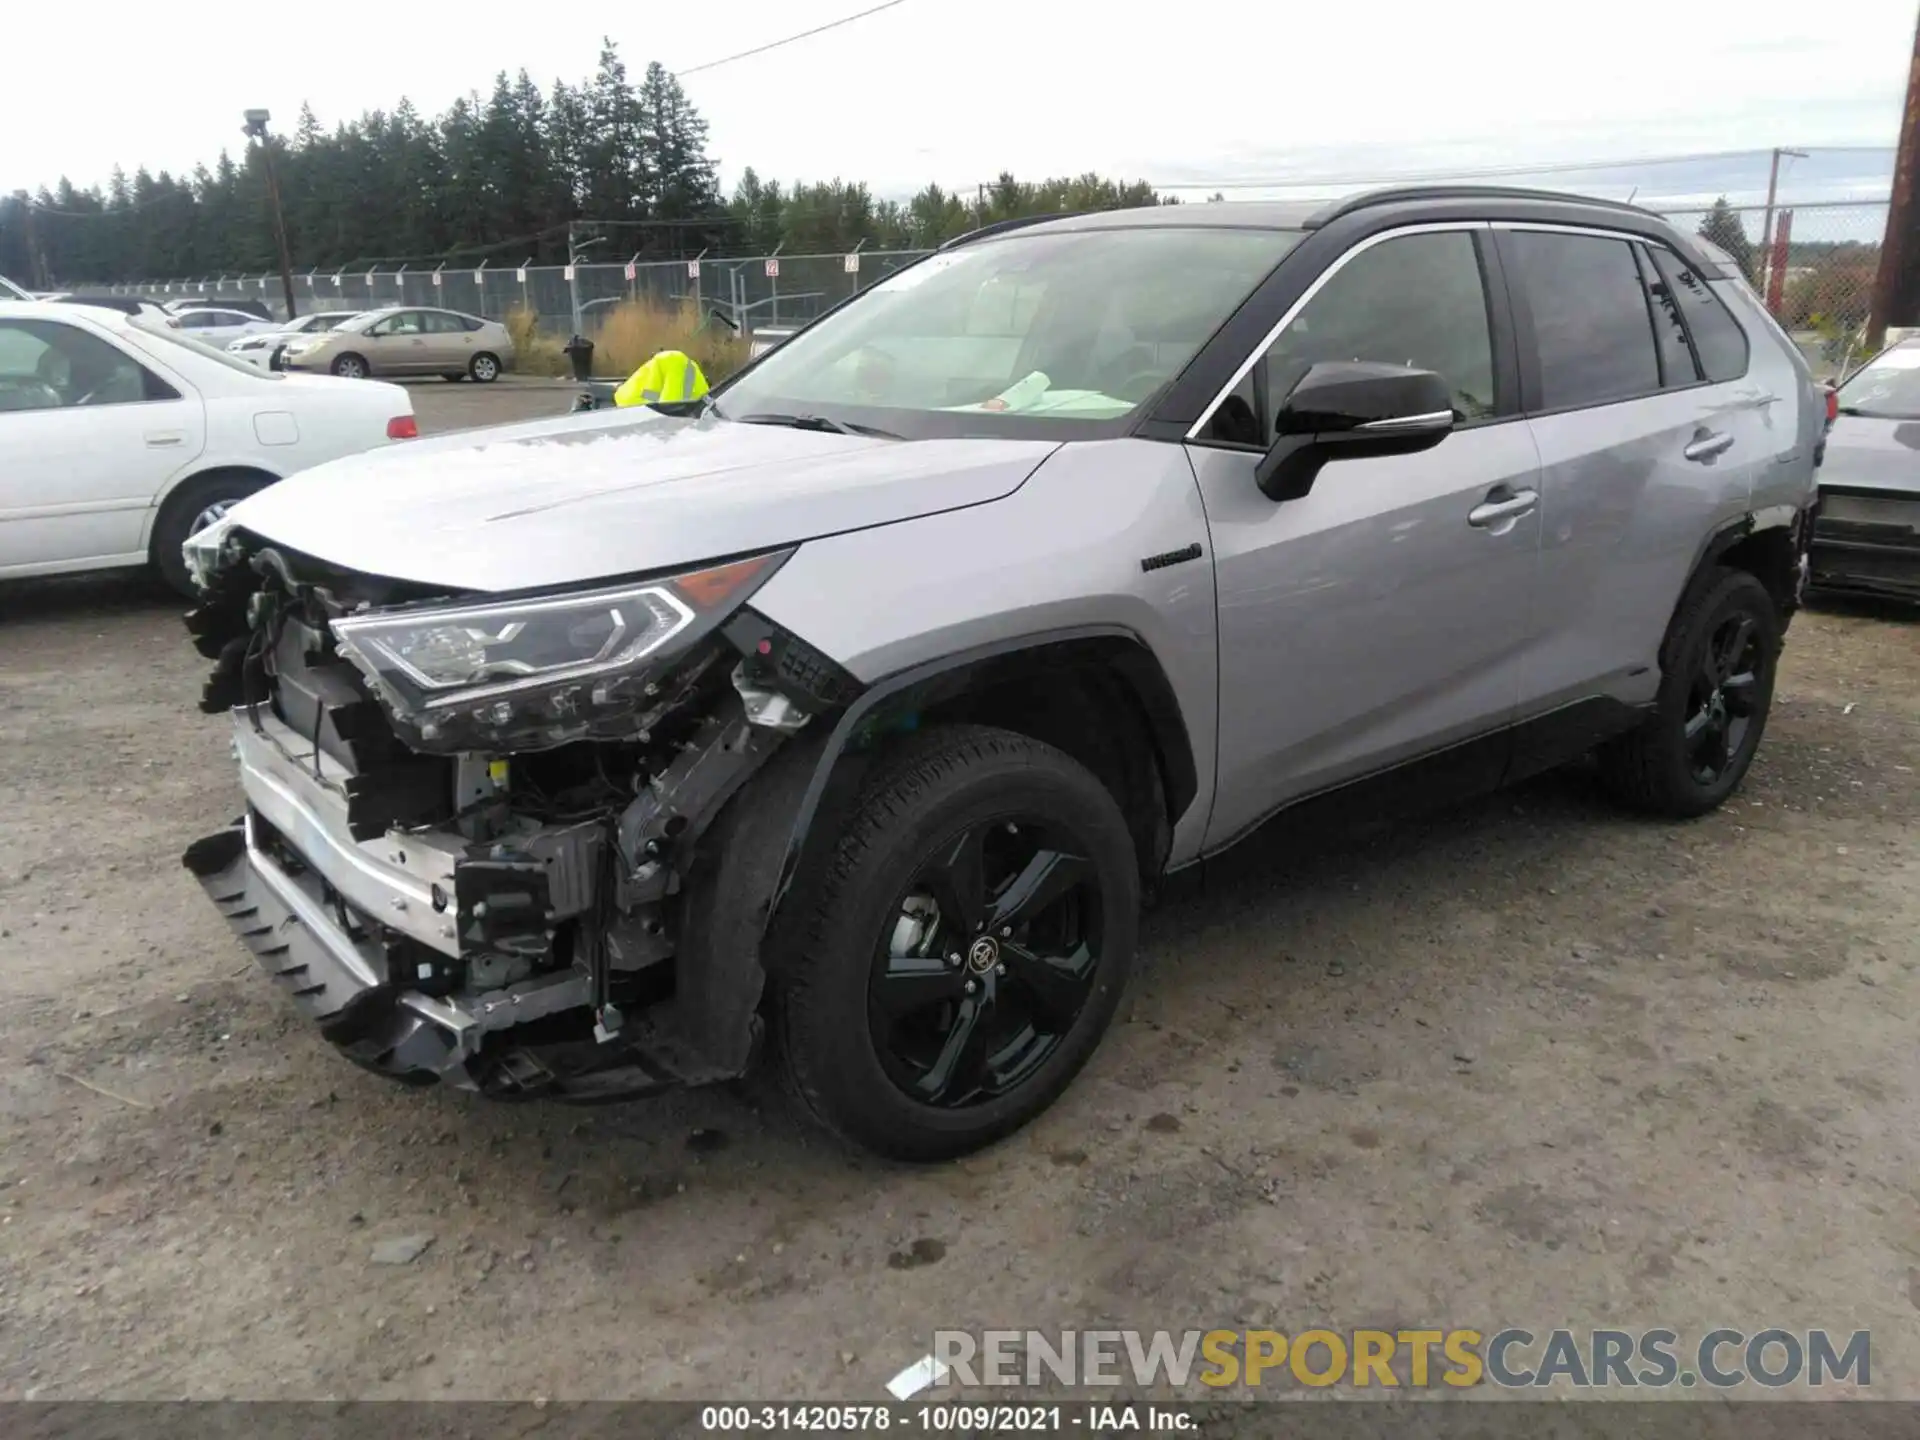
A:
[(631, 333)]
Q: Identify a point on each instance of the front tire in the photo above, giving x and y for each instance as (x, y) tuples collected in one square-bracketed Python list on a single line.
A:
[(963, 947), (350, 367), (196, 504), (1716, 688)]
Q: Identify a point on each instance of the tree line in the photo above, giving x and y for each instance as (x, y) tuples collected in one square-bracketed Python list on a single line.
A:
[(509, 177)]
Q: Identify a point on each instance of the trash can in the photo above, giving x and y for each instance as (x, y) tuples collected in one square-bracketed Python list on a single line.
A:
[(579, 353)]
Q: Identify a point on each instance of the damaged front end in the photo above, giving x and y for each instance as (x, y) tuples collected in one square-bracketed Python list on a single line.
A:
[(488, 839)]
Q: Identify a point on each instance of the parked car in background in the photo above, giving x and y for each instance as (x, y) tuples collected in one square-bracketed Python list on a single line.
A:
[(1867, 537), (218, 327), (258, 349), (125, 304), (120, 436), (408, 341), (256, 308), (852, 710)]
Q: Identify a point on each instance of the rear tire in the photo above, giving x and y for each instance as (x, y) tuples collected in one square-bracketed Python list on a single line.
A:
[(198, 502), (922, 1018), (453, 377), (484, 368), (1717, 667)]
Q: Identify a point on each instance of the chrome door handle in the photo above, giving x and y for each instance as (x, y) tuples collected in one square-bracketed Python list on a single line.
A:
[(1491, 512), (1706, 444)]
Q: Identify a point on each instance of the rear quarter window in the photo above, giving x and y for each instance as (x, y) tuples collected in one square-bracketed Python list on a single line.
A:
[(1717, 337)]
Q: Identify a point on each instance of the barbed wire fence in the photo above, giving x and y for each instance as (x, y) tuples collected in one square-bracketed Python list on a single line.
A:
[(1813, 264)]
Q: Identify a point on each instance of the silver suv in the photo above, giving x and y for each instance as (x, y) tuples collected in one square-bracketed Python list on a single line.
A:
[(851, 711)]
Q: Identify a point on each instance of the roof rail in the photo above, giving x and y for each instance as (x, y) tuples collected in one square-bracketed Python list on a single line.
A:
[(1000, 227), (1395, 193)]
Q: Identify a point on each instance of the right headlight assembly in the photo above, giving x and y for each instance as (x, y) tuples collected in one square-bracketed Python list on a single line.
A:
[(544, 669)]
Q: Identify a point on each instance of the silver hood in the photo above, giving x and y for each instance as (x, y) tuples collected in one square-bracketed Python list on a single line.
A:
[(581, 498), (1870, 453)]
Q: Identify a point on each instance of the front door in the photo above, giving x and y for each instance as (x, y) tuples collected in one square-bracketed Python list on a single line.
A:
[(399, 345), (1381, 617), (88, 437)]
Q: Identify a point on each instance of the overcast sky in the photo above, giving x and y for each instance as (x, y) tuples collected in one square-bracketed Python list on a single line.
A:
[(1197, 93)]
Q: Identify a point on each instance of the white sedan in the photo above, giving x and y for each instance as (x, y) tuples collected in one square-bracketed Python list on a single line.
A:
[(218, 326), (119, 437), (258, 349)]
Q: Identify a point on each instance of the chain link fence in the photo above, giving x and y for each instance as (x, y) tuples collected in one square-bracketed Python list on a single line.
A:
[(1814, 264), (751, 292)]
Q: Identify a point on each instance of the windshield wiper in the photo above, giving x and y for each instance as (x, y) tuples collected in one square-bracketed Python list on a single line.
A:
[(818, 422)]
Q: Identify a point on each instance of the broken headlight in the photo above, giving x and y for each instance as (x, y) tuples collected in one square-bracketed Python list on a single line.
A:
[(204, 550), (544, 669)]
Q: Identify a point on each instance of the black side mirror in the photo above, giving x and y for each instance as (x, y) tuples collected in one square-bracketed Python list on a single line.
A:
[(278, 359), (1342, 410)]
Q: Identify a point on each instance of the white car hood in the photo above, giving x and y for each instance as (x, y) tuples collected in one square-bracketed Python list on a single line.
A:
[(581, 498)]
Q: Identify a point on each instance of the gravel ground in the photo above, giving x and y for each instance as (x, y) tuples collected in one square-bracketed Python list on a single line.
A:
[(1527, 1062)]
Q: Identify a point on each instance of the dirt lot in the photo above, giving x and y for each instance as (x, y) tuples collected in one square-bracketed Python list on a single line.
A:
[(1526, 1063)]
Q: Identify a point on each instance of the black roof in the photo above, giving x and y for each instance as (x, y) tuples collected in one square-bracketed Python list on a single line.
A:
[(1376, 209)]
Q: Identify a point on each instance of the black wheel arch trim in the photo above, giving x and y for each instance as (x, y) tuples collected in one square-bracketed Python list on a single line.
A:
[(953, 675)]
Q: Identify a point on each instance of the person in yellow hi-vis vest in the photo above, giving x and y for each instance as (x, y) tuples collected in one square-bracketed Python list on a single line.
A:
[(670, 377)]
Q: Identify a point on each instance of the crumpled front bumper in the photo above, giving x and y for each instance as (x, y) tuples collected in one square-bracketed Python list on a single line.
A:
[(335, 979), (343, 925)]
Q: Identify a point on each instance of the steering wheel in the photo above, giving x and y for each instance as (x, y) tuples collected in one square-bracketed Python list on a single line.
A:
[(872, 361), (1138, 386)]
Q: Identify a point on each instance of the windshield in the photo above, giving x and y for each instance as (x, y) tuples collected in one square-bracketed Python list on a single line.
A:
[(1037, 334), (163, 331), (357, 324), (1888, 387)]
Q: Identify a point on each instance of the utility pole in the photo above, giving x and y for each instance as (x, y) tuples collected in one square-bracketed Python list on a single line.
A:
[(1896, 286), (1766, 224), (256, 128)]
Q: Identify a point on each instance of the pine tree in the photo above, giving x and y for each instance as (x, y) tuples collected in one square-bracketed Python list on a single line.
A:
[(1722, 226)]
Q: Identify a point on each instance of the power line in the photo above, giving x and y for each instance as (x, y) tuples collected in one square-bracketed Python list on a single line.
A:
[(776, 44)]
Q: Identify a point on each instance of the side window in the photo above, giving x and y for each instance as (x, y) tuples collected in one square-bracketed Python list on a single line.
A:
[(1417, 301), (198, 320), (1677, 365), (468, 322), (45, 365), (1590, 320), (1717, 336)]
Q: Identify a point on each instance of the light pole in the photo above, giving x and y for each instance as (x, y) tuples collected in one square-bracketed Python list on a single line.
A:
[(575, 249), (256, 129)]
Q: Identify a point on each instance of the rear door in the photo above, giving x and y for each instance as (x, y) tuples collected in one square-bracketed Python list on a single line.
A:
[(88, 436), (449, 342), (1382, 617), (1649, 440)]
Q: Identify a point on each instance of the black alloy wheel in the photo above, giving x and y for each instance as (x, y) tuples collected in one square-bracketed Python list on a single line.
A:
[(956, 943), (1723, 697), (1716, 687), (989, 963)]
